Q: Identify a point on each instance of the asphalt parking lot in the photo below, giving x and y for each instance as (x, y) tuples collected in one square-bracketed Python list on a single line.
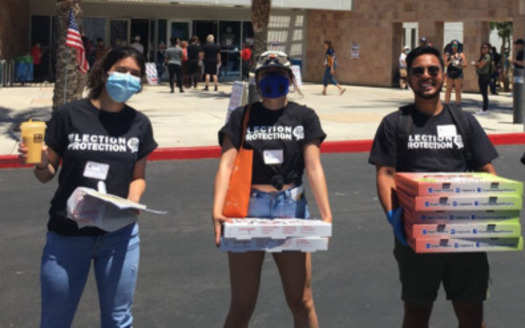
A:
[(183, 278)]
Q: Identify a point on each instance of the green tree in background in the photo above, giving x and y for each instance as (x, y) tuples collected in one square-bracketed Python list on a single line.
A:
[(505, 33)]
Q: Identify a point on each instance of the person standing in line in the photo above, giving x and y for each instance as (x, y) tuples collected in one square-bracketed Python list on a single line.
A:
[(246, 56), (137, 45), (455, 61), (100, 50), (184, 66), (330, 64), (277, 192), (494, 78), (37, 53), (518, 59), (483, 69), (403, 68), (194, 70), (174, 61), (212, 57), (98, 140), (465, 276)]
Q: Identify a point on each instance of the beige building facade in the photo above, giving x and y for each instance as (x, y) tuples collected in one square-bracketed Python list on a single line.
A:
[(374, 30), (368, 38)]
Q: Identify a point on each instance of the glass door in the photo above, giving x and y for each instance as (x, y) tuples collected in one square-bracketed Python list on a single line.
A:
[(230, 43), (118, 33), (203, 28), (180, 29)]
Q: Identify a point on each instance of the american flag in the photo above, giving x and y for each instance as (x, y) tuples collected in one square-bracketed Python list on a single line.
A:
[(74, 40)]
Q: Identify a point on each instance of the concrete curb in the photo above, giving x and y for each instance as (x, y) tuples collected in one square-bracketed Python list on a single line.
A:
[(192, 153)]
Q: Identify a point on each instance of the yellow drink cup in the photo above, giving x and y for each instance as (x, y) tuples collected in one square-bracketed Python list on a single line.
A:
[(33, 139)]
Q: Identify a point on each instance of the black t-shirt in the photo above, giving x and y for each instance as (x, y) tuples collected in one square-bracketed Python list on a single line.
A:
[(79, 132), (277, 138), (434, 144), (193, 51), (210, 51)]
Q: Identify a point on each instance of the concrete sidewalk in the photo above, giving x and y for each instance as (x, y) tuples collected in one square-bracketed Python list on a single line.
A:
[(193, 118)]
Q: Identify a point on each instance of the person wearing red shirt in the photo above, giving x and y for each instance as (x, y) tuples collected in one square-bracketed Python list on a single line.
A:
[(36, 53)]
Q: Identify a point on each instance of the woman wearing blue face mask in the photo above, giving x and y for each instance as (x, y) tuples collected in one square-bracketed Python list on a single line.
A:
[(285, 138), (100, 141)]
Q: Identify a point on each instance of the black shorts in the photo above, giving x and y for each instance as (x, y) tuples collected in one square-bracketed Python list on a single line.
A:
[(210, 66), (465, 276)]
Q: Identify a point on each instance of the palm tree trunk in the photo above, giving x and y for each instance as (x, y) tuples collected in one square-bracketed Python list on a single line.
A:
[(66, 73), (260, 18)]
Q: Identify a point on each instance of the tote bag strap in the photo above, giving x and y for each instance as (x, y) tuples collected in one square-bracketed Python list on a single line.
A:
[(245, 124)]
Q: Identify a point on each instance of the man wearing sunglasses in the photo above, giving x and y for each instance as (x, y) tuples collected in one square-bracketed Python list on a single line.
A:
[(434, 142)]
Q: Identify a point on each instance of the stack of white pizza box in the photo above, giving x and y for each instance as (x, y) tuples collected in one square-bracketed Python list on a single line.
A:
[(460, 212), (275, 235)]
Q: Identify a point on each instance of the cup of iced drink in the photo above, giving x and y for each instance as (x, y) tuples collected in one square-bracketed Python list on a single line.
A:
[(33, 138)]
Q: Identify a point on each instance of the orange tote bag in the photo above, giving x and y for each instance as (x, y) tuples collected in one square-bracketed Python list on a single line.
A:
[(238, 194)]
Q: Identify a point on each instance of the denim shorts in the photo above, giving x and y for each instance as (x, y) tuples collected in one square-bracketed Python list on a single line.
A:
[(290, 203)]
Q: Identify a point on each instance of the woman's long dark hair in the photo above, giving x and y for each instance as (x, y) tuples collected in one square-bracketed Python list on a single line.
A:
[(481, 55), (99, 73)]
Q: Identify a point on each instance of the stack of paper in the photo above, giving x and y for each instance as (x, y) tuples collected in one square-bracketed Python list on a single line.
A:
[(460, 212), (277, 235)]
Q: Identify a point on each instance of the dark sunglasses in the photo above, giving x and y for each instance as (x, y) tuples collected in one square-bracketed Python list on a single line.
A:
[(420, 70)]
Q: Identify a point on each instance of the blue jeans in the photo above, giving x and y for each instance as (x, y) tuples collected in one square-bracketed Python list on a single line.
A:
[(290, 203), (66, 262), (328, 77)]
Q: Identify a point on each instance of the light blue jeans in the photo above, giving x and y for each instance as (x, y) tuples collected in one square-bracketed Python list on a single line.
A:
[(66, 262), (276, 205)]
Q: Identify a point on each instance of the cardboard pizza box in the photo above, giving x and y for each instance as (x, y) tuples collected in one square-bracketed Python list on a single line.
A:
[(466, 230), (302, 244), (249, 228), (445, 217), (475, 202), (465, 245), (445, 183)]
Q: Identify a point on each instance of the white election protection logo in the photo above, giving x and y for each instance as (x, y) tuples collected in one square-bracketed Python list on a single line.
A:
[(133, 144), (298, 132)]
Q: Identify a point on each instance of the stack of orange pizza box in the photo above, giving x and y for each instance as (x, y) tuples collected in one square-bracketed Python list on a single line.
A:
[(277, 235), (460, 212)]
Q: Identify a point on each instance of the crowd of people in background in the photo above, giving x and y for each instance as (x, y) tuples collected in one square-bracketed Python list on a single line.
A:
[(491, 68)]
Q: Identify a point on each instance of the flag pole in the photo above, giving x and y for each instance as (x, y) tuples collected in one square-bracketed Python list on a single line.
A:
[(65, 78)]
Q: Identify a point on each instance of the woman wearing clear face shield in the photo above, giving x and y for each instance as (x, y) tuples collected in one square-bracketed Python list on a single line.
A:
[(285, 138), (100, 141)]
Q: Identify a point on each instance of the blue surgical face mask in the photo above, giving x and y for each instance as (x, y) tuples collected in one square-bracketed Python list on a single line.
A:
[(274, 85), (121, 86)]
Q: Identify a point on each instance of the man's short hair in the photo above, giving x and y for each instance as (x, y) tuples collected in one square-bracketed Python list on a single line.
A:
[(423, 50)]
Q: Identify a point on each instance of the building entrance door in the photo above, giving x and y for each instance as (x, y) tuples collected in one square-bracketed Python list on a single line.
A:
[(203, 28), (118, 33), (230, 42), (140, 33)]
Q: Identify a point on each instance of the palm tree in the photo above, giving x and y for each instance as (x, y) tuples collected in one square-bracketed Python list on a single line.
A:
[(505, 33), (66, 73), (260, 18)]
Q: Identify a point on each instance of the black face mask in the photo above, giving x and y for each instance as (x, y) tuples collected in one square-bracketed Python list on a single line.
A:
[(278, 181)]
